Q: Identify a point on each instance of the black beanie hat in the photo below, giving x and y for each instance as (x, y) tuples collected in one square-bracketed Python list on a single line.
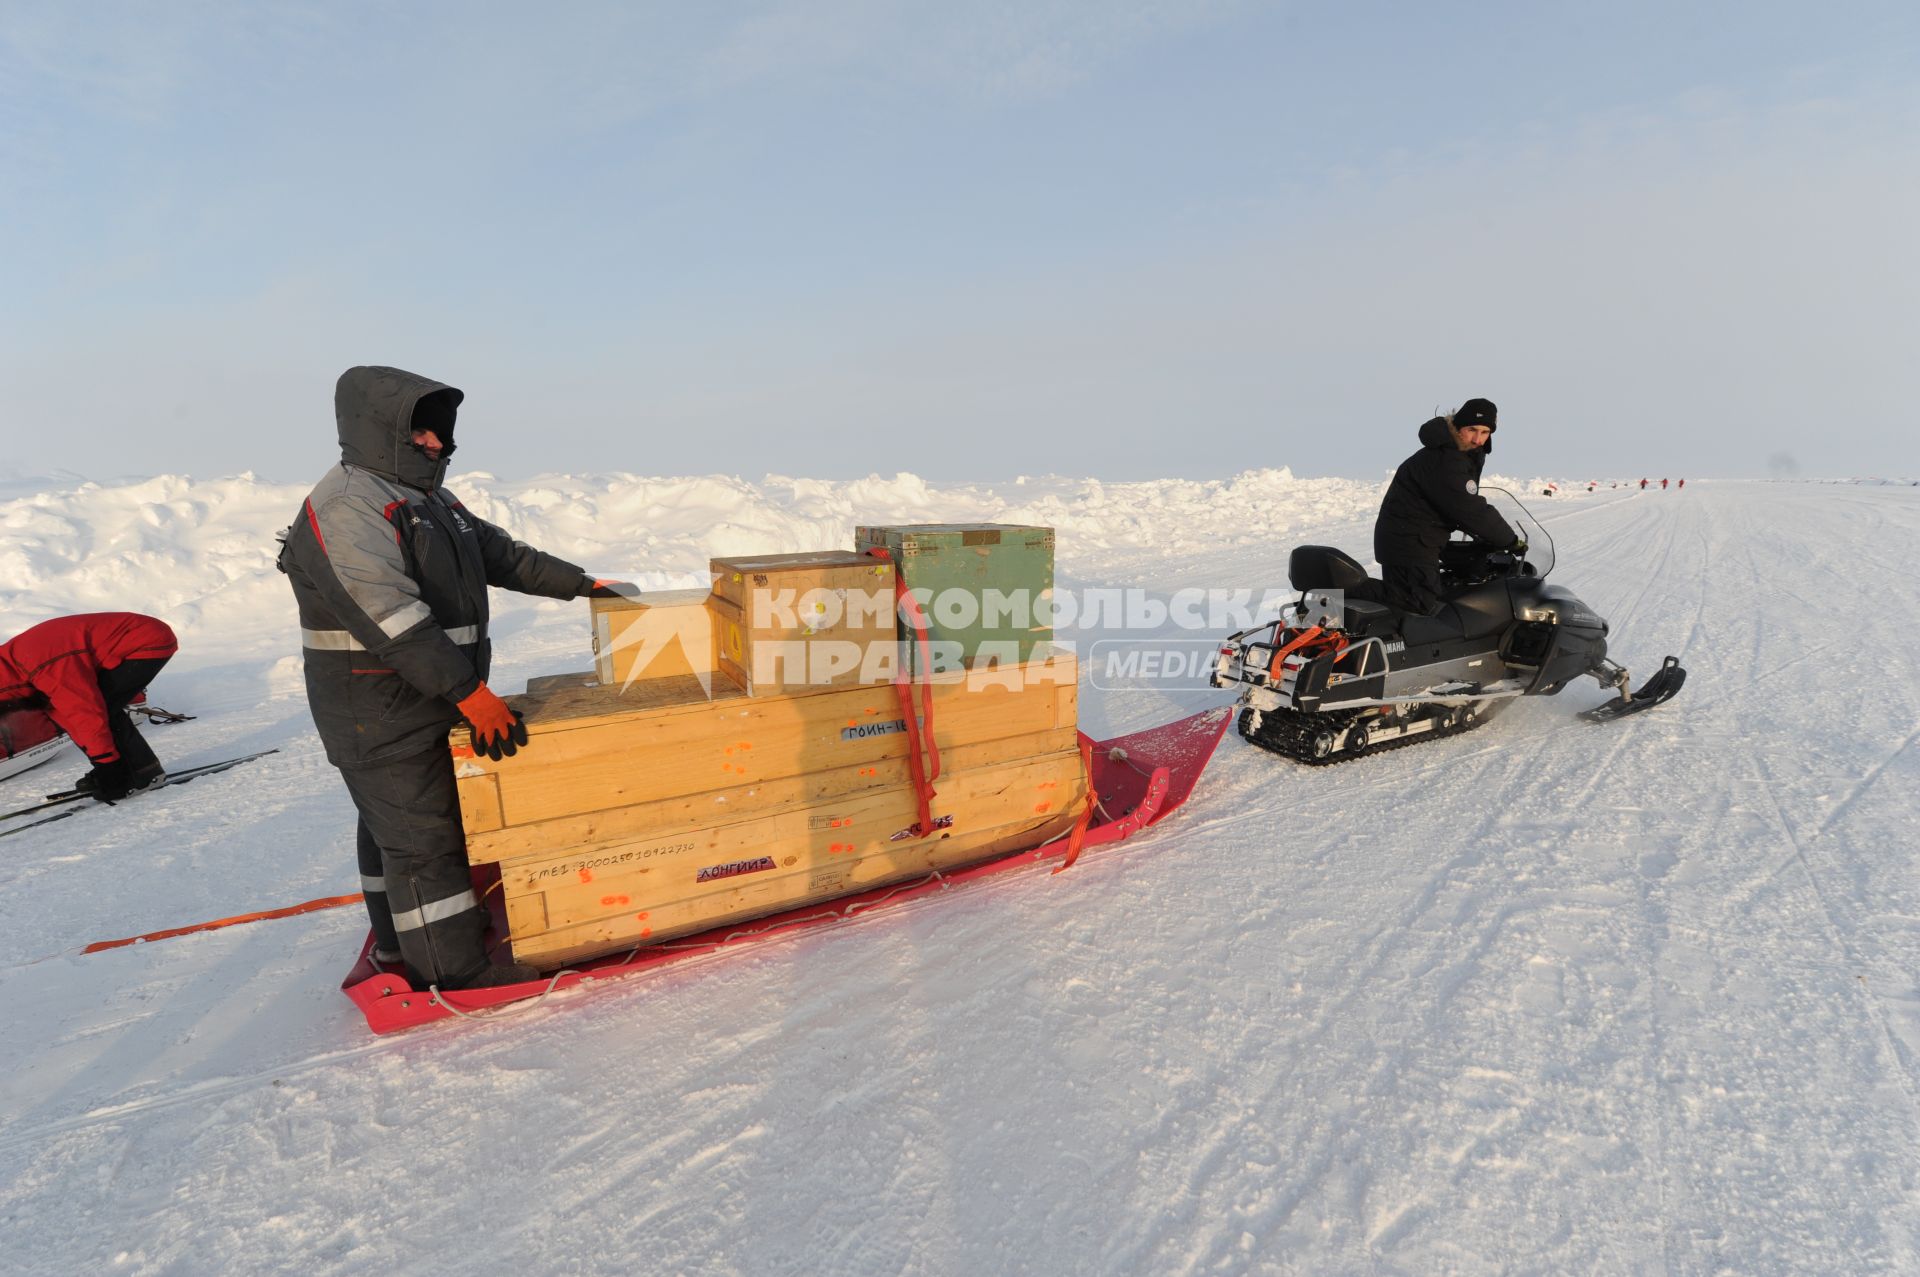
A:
[(1476, 412)]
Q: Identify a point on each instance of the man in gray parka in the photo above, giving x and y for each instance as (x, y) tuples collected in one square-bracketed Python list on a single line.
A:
[(391, 572)]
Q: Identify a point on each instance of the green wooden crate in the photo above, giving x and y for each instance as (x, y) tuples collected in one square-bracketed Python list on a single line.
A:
[(990, 585)]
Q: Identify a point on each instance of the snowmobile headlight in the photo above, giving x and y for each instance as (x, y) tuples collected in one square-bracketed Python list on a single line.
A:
[(1546, 614)]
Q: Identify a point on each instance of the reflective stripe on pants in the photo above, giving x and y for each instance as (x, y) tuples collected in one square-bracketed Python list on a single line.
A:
[(435, 911)]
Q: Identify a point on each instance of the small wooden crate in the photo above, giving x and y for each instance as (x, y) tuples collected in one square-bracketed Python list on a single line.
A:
[(639, 817), (655, 636), (1002, 573), (787, 624)]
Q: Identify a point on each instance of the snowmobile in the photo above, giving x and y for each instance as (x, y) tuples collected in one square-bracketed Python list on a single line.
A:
[(1339, 673)]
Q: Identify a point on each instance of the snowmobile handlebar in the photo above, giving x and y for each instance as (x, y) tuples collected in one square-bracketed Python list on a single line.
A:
[(1471, 562)]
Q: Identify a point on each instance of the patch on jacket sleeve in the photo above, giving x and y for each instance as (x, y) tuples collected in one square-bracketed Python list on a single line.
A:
[(1473, 487)]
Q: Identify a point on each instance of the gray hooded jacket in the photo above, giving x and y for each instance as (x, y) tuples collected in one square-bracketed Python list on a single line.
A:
[(390, 573)]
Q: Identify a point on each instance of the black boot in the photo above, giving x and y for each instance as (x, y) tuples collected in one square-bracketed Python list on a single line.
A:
[(495, 976)]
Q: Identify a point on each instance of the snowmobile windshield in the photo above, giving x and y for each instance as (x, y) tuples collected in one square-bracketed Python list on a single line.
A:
[(1540, 553), (1469, 561)]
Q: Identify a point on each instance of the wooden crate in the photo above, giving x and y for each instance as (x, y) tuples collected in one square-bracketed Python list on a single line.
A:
[(741, 579), (617, 895), (634, 817), (657, 635), (691, 812), (547, 684), (599, 749), (1002, 572), (775, 660), (796, 623)]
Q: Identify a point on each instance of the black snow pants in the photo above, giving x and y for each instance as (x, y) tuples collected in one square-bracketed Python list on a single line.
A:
[(1412, 587), (413, 867), (118, 687)]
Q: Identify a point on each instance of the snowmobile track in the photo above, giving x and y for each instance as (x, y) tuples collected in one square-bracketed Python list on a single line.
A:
[(1295, 734)]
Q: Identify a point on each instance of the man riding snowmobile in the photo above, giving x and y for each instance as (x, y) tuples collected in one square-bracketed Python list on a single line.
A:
[(1468, 626), (1435, 493)]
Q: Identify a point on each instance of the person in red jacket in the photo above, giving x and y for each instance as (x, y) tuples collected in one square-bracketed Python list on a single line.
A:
[(82, 671)]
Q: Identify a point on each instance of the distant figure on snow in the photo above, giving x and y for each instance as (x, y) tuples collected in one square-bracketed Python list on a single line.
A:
[(82, 671), (1643, 485), (1435, 493), (1683, 483), (1663, 485)]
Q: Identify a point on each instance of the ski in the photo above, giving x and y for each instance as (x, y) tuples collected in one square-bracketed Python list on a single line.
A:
[(173, 778), (44, 820), (1661, 687)]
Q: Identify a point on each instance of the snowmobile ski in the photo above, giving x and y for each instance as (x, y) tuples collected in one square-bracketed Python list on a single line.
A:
[(1137, 780), (1665, 683), (180, 777)]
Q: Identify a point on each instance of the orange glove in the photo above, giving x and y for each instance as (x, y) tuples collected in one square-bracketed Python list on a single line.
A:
[(498, 732)]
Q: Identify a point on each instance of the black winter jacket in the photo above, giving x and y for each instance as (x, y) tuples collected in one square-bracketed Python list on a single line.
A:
[(390, 573), (1434, 493)]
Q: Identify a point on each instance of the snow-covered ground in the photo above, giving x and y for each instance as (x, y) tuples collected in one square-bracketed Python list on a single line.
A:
[(1548, 998)]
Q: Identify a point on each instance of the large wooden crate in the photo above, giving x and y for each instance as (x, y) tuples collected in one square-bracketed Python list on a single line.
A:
[(791, 623), (646, 815), (615, 896)]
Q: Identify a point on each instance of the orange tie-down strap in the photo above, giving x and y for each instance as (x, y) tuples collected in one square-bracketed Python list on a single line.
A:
[(1078, 838), (923, 753), (311, 906), (1305, 641)]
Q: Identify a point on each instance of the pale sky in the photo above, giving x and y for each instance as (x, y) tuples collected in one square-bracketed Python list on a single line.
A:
[(1120, 238)]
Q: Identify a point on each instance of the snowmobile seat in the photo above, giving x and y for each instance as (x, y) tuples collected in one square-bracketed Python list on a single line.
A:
[(1361, 619), (1440, 627), (1321, 567)]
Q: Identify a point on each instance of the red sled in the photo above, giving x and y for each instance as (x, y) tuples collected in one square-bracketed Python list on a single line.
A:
[(1138, 780), (28, 738)]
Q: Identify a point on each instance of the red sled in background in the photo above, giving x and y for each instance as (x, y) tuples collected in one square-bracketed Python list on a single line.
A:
[(29, 738)]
